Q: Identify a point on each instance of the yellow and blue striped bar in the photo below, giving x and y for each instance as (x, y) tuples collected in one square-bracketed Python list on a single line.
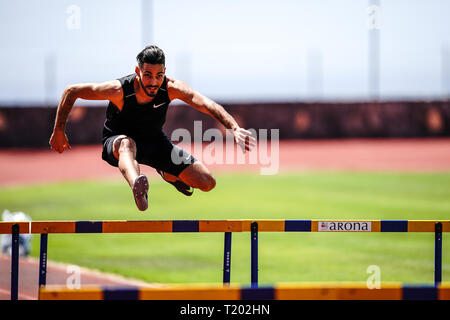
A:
[(302, 291), (156, 226)]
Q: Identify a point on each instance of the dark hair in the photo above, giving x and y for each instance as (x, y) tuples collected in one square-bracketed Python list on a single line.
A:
[(152, 55)]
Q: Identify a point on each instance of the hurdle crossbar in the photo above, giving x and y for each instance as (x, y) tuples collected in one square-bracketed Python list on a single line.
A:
[(301, 291), (161, 226)]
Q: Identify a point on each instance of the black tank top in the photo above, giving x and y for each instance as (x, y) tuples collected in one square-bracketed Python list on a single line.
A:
[(137, 121)]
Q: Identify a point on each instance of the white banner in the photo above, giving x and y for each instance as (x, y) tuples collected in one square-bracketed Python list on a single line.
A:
[(364, 226)]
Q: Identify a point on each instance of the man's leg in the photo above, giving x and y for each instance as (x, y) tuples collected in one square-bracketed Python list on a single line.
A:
[(124, 149), (198, 176), (189, 173)]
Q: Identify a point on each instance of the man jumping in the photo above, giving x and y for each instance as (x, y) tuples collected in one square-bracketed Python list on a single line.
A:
[(132, 133)]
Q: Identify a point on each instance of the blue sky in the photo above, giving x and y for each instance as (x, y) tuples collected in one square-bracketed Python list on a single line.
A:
[(228, 50)]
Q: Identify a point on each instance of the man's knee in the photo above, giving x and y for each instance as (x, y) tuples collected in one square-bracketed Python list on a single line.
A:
[(208, 183), (127, 144), (198, 176), (124, 144)]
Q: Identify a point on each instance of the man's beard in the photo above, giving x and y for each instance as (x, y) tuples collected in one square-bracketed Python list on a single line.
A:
[(151, 95)]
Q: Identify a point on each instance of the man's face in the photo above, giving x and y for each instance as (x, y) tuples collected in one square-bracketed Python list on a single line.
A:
[(151, 77)]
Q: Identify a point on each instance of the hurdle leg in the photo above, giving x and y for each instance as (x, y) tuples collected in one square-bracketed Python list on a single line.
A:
[(43, 261), (437, 253), (254, 255), (15, 262), (227, 259)]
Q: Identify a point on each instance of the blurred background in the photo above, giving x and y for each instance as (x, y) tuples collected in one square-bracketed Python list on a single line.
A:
[(232, 50), (321, 69)]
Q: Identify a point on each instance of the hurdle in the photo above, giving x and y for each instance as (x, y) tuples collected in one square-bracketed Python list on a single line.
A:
[(44, 228), (280, 291)]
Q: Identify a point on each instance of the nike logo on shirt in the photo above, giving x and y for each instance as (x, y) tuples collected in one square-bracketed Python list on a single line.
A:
[(159, 105)]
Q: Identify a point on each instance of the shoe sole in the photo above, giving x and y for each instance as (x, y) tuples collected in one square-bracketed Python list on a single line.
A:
[(140, 189)]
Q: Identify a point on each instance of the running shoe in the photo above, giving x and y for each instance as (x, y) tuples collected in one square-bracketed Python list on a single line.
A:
[(140, 189), (179, 185)]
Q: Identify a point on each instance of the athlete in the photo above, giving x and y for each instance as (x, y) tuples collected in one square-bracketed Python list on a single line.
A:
[(132, 133)]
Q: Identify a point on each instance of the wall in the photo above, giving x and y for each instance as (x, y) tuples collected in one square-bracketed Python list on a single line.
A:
[(31, 127)]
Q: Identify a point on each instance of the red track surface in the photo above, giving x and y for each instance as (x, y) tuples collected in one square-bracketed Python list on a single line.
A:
[(19, 167), (29, 166)]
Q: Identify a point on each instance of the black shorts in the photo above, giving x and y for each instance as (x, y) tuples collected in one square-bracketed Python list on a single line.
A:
[(157, 152)]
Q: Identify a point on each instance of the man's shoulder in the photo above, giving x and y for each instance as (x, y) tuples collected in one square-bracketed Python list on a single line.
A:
[(115, 92), (115, 83), (126, 80), (174, 83), (177, 87)]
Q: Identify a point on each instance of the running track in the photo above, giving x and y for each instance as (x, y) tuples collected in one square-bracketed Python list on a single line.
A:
[(18, 167)]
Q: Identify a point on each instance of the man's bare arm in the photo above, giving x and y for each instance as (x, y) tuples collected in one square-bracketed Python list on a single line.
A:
[(110, 90), (180, 90)]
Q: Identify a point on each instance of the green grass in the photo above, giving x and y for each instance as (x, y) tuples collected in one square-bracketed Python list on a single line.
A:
[(189, 257)]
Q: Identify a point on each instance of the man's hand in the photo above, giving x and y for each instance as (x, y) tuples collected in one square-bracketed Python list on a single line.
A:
[(244, 139), (58, 141)]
